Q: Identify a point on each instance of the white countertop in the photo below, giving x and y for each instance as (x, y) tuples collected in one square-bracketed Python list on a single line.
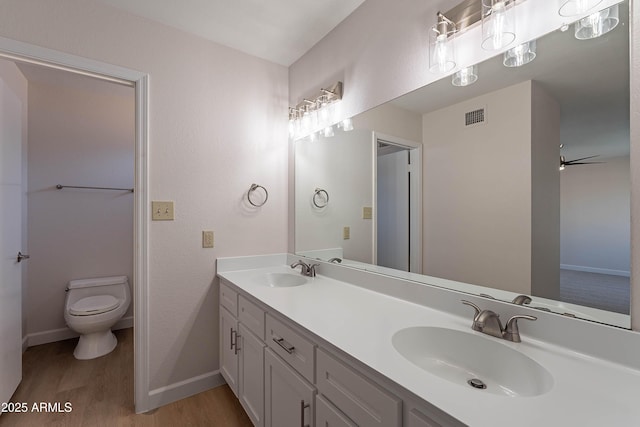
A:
[(587, 391)]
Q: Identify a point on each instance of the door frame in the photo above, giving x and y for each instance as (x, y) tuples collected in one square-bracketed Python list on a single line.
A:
[(415, 195), (14, 50)]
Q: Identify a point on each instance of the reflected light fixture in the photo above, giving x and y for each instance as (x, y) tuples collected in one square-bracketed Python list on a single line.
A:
[(328, 132), (520, 55), (498, 24), (465, 76), (315, 114), (441, 45), (597, 24), (576, 7)]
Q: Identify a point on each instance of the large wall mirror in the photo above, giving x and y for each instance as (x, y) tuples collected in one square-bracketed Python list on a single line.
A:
[(462, 187)]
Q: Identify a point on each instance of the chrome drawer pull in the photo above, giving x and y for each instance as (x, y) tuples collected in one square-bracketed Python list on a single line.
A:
[(285, 345), (302, 408), (237, 349), (233, 343)]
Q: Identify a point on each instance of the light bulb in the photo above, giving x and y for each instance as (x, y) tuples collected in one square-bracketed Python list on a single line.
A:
[(597, 24), (465, 76), (347, 125), (441, 46), (498, 24), (520, 55), (328, 132)]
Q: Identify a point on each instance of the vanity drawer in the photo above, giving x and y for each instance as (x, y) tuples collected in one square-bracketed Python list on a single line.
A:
[(366, 403), (229, 299), (291, 346), (251, 316)]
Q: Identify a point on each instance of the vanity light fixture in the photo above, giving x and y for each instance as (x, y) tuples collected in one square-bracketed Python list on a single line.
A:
[(576, 7), (597, 24), (520, 55), (314, 114), (498, 24), (441, 45), (465, 76)]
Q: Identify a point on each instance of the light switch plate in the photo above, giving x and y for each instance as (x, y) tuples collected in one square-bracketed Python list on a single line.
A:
[(346, 233), (207, 239), (162, 211), (367, 212)]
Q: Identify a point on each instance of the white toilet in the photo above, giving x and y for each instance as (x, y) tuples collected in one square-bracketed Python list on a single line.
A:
[(91, 308)]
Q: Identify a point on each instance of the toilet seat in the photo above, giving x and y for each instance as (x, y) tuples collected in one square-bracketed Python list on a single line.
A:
[(94, 305)]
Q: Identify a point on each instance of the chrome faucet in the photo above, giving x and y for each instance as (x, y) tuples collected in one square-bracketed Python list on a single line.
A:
[(488, 322), (521, 300), (306, 270), (338, 260)]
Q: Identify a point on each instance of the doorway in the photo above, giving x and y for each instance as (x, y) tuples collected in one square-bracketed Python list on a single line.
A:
[(398, 195), (25, 53)]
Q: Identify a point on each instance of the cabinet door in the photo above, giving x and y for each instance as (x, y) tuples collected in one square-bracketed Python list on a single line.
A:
[(228, 349), (288, 396), (328, 415), (251, 375)]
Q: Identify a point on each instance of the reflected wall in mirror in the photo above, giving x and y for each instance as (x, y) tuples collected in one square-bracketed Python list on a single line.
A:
[(461, 187)]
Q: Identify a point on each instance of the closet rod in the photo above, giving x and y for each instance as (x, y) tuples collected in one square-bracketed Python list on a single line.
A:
[(60, 187)]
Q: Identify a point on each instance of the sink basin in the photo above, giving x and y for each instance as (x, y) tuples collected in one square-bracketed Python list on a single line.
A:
[(461, 357), (285, 280)]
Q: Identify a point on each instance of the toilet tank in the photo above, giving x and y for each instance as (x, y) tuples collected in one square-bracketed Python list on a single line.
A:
[(98, 281), (118, 286)]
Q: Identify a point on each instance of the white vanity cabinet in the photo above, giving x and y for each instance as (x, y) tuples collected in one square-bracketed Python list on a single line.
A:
[(296, 380), (242, 351), (289, 398)]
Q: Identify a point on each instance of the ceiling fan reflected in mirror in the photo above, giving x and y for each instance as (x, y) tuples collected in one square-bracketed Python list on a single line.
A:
[(564, 162)]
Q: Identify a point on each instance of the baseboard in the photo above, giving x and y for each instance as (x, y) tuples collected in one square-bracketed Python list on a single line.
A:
[(54, 335), (595, 270), (176, 391)]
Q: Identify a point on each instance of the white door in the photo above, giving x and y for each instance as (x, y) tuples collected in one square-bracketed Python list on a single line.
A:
[(10, 242), (393, 210)]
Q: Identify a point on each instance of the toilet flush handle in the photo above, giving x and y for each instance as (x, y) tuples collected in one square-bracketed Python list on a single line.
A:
[(22, 256)]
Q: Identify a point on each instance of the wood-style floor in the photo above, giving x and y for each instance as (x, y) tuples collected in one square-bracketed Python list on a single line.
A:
[(101, 392)]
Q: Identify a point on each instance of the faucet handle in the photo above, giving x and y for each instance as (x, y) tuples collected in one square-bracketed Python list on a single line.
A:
[(470, 304), (511, 331), (522, 299), (312, 269)]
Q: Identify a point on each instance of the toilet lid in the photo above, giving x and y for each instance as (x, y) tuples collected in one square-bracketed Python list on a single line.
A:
[(93, 305)]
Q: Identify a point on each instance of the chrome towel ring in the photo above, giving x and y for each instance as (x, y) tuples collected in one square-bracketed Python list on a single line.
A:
[(320, 200), (253, 188)]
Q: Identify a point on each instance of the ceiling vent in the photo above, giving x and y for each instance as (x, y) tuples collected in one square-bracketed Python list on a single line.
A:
[(475, 117)]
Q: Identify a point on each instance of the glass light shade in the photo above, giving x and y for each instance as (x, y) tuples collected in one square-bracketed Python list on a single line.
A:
[(498, 24), (328, 132), (576, 7), (597, 24), (520, 55), (347, 125), (441, 51), (465, 76)]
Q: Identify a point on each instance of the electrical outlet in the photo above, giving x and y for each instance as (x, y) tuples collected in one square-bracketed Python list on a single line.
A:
[(207, 239), (346, 233), (162, 211), (367, 212)]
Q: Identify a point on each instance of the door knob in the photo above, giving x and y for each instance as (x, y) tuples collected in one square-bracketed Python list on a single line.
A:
[(22, 256)]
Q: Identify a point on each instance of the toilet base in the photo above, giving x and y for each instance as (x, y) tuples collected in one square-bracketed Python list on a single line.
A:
[(96, 344)]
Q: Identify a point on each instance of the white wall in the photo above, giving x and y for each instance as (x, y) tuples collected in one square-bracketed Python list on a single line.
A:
[(217, 123), (81, 135), (595, 216), (477, 192), (17, 83), (343, 166), (389, 119)]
